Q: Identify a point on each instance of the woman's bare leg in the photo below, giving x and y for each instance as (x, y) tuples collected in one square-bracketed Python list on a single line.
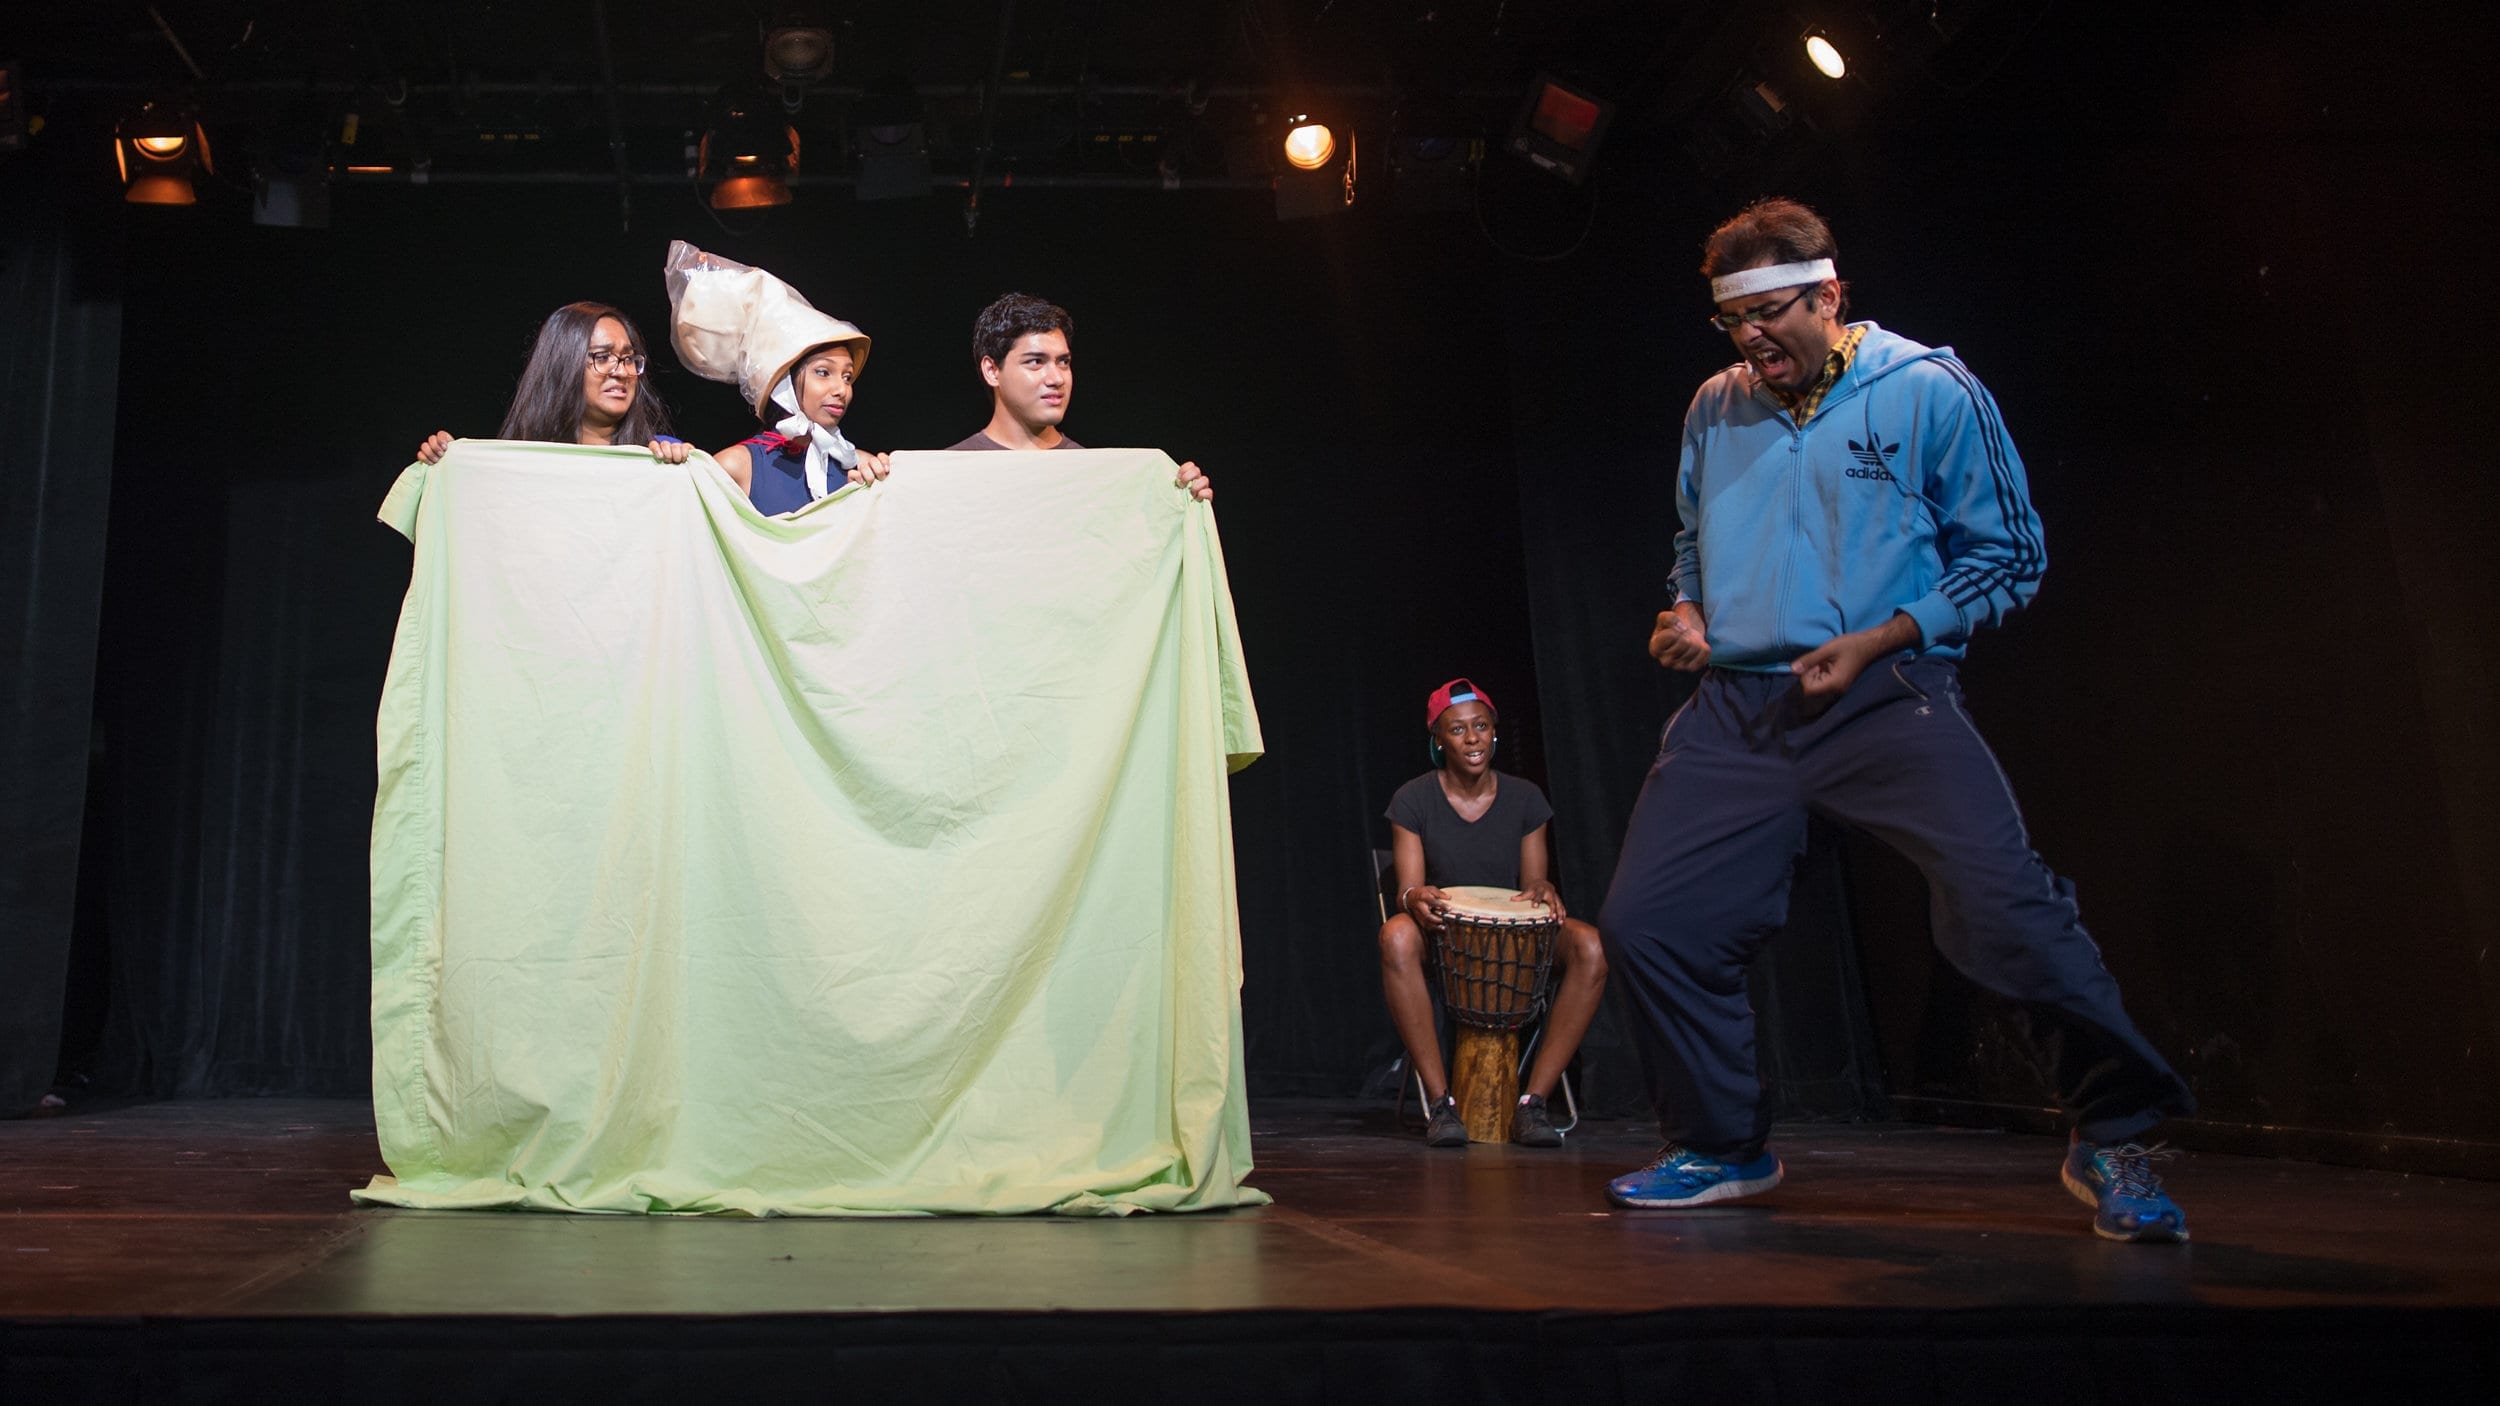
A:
[(1410, 1004), (1583, 961)]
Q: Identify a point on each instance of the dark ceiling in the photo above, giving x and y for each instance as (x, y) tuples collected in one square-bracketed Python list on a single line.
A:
[(490, 86), (931, 41)]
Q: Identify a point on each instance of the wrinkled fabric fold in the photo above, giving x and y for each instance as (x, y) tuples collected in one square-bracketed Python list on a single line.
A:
[(872, 860)]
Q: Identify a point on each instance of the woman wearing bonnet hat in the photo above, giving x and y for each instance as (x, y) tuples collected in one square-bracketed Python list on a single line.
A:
[(741, 325)]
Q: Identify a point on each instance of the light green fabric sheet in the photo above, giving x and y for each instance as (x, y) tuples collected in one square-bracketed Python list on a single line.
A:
[(871, 860)]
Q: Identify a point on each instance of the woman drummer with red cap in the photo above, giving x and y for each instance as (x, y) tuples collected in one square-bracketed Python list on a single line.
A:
[(1463, 823)]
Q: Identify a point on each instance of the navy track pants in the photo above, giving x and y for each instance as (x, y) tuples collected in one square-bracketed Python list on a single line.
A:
[(1703, 882)]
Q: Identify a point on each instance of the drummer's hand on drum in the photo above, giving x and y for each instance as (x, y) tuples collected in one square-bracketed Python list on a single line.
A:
[(431, 452), (1680, 639), (1428, 906), (1542, 891)]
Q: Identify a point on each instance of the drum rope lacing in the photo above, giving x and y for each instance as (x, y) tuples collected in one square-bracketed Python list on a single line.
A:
[(1496, 969)]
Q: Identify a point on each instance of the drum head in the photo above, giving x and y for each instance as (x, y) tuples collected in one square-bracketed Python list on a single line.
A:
[(1477, 901)]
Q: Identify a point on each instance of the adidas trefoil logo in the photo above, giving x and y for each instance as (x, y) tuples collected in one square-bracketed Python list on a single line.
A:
[(1871, 455)]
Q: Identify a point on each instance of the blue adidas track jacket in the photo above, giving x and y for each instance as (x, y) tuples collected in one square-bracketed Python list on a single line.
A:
[(1903, 493)]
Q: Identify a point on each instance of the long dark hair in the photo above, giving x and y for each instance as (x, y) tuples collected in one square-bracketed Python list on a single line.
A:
[(548, 404)]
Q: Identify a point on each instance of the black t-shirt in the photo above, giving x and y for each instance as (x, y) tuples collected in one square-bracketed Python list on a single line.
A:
[(1483, 851)]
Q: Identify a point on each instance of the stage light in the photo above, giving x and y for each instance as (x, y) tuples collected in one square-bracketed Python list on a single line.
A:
[(291, 164), (890, 134), (1319, 170), (1309, 145), (1825, 55), (747, 155), (1436, 147), (159, 150), (1434, 173), (797, 46), (1559, 127), (798, 49)]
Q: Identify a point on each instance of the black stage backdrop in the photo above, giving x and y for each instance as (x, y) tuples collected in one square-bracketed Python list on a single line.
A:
[(2219, 278), (1367, 499), (60, 333)]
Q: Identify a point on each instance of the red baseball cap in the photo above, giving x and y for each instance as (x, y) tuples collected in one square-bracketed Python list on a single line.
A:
[(1456, 691)]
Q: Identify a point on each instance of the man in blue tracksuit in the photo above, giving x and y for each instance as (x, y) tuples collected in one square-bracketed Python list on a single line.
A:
[(1852, 509)]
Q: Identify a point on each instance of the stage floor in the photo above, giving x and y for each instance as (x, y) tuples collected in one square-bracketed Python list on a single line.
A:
[(239, 1207), (207, 1251)]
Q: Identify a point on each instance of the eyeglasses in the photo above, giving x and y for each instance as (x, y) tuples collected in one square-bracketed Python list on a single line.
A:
[(1730, 321), (622, 363)]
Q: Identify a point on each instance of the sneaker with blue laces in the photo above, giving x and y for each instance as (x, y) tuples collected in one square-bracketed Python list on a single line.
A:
[(2118, 1182), (1681, 1177)]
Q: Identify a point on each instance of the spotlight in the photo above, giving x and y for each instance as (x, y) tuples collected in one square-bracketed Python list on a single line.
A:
[(1319, 171), (1749, 117), (1309, 145), (1764, 106), (160, 148), (1434, 173), (798, 49), (890, 132), (748, 154), (1825, 55), (1434, 154), (1559, 127), (291, 169)]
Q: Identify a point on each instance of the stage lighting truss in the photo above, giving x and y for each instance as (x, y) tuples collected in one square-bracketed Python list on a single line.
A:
[(161, 149), (1124, 147), (748, 154), (374, 143)]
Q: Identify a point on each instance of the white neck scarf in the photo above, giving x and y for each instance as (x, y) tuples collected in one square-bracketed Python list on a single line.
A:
[(824, 443)]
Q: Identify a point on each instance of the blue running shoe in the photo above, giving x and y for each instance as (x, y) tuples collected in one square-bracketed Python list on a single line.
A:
[(1682, 1178), (2118, 1183)]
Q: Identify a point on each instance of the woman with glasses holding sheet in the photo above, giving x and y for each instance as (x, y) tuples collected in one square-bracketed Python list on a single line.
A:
[(584, 385)]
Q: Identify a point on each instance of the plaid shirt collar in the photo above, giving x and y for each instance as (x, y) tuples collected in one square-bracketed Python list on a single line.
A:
[(1802, 406)]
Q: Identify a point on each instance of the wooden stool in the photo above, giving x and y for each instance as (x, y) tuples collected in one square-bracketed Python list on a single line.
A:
[(1484, 1078)]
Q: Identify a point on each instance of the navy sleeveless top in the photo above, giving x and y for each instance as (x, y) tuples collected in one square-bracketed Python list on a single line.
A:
[(777, 474)]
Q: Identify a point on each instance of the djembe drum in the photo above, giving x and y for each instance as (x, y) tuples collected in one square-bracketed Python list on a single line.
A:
[(1496, 955)]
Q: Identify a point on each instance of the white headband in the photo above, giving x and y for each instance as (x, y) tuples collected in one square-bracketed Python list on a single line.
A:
[(1747, 282)]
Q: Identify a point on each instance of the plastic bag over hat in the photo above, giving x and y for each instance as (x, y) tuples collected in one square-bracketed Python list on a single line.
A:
[(741, 325)]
